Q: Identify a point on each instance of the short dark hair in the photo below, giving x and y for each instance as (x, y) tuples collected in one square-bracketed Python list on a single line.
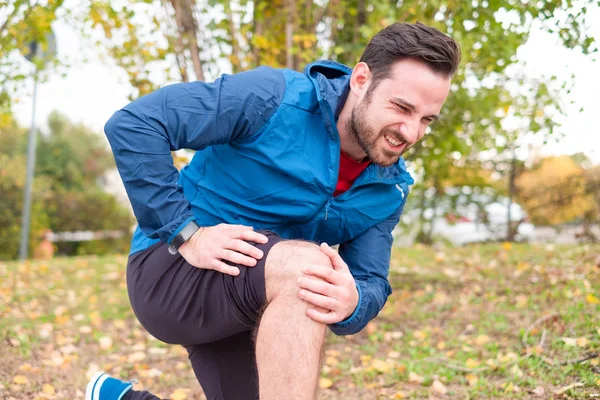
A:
[(418, 41)]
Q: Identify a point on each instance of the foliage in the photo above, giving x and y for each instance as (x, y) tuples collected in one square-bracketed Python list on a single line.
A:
[(70, 163), (12, 188), (25, 22), (485, 322), (555, 192), (487, 91)]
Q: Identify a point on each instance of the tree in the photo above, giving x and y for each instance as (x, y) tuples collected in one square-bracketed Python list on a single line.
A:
[(26, 22), (71, 160), (556, 192)]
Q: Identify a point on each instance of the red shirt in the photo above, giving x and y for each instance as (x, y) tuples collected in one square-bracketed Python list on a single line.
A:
[(349, 171)]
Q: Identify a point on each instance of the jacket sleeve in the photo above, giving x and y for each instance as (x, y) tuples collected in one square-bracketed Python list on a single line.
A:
[(184, 116), (368, 258)]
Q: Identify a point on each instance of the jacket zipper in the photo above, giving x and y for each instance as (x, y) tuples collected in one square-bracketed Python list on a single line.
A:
[(327, 207)]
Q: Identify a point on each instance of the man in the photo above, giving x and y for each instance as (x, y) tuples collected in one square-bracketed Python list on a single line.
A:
[(224, 261)]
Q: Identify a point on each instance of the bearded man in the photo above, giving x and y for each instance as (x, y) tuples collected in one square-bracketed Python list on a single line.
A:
[(231, 258)]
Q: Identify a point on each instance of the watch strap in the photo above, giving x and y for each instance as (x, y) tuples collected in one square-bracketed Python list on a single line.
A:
[(183, 236)]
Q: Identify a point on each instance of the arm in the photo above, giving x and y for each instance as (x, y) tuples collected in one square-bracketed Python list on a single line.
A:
[(368, 257), (187, 115)]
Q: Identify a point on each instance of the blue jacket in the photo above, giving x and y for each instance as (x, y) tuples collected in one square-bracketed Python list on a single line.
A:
[(267, 156)]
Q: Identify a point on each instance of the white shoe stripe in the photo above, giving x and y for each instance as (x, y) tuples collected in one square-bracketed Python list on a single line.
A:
[(96, 395), (91, 383)]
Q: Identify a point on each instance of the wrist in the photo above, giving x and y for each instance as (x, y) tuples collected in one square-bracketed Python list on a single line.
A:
[(183, 236)]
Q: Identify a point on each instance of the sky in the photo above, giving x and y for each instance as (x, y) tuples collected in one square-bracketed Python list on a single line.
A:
[(92, 91)]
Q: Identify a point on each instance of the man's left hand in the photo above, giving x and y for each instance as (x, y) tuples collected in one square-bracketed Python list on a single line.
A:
[(336, 292)]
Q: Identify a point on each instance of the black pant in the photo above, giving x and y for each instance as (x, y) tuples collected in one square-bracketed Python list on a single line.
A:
[(211, 314)]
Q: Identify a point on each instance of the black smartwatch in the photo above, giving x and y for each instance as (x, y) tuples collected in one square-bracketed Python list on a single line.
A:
[(183, 236)]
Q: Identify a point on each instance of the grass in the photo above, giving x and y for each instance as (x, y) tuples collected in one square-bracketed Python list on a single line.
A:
[(478, 322)]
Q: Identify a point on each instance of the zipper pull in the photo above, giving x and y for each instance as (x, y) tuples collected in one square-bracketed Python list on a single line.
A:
[(327, 208)]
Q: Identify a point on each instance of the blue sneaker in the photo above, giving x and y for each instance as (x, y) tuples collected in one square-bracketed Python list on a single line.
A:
[(105, 387)]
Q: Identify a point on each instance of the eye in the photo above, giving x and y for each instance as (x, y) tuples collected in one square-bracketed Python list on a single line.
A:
[(427, 121)]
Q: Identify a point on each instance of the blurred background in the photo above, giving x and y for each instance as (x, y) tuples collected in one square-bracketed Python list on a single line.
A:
[(515, 156)]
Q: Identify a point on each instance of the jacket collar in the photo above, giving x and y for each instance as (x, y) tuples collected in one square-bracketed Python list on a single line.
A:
[(331, 80)]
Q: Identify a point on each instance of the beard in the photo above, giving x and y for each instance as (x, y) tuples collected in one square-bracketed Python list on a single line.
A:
[(366, 137)]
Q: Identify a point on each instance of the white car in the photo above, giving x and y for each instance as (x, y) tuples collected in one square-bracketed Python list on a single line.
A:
[(467, 224)]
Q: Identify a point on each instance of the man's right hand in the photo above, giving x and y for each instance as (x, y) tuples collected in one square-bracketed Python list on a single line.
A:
[(210, 246)]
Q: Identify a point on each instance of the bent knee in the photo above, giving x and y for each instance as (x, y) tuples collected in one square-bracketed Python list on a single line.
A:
[(285, 263)]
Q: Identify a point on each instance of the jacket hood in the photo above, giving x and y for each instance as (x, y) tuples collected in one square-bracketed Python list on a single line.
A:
[(331, 80)]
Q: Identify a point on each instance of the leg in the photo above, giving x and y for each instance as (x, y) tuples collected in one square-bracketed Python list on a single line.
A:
[(227, 369), (289, 344)]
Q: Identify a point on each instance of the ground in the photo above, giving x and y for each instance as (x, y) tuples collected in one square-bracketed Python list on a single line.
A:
[(480, 322)]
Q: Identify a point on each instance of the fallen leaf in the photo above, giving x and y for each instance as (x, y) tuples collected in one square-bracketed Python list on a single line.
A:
[(472, 379), (381, 366), (399, 395), (569, 387), (516, 371), (582, 341), (590, 298), (539, 391), (136, 357), (482, 339), (331, 361), (438, 387), (325, 383), (415, 378), (48, 389), (105, 342), (569, 341), (20, 380), (470, 363), (178, 394)]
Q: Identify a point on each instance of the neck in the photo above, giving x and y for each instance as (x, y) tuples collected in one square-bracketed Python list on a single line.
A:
[(347, 144)]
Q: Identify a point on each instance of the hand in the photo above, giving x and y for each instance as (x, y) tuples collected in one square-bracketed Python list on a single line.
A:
[(209, 247), (336, 291)]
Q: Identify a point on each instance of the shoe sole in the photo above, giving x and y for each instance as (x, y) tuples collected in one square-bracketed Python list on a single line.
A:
[(89, 390)]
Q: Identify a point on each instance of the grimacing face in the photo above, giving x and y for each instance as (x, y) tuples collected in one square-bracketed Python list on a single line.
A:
[(398, 111)]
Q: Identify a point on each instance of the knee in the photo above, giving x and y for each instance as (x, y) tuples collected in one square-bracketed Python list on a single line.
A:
[(285, 263)]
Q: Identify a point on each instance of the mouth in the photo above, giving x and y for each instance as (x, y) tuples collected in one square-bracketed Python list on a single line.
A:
[(394, 143)]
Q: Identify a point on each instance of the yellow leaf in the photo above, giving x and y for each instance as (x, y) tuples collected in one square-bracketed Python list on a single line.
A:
[(509, 388), (415, 378), (439, 388), (20, 380), (470, 363), (105, 342), (25, 367), (381, 366), (507, 246), (472, 379), (590, 298), (399, 395), (331, 361), (325, 383), (178, 394), (582, 341), (482, 339), (48, 389)]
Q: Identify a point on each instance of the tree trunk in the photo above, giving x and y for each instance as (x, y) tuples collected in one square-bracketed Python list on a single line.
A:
[(236, 61), (510, 231), (188, 29), (290, 8)]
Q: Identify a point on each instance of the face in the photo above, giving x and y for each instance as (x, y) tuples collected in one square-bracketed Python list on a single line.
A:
[(396, 114)]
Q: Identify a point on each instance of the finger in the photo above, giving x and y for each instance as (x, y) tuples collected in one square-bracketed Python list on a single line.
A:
[(238, 258), (251, 236), (318, 286), (318, 300), (336, 260), (225, 268), (245, 248), (323, 317), (323, 272)]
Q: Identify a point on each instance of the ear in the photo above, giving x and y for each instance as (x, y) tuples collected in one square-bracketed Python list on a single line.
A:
[(360, 79)]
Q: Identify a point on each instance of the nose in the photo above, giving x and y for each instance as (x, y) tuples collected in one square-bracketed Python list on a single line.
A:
[(410, 132)]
